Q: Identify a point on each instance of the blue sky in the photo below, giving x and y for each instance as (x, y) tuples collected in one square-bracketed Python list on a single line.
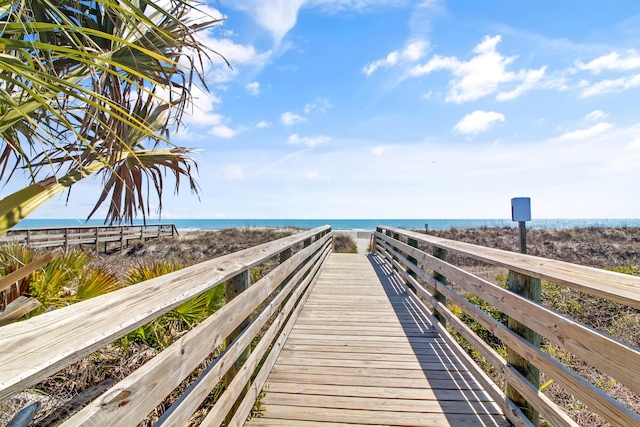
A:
[(413, 109)]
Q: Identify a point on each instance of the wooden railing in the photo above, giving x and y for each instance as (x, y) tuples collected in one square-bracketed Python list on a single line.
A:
[(37, 348), (49, 237), (432, 277)]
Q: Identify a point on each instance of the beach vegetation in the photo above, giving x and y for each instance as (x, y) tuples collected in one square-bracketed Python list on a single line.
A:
[(164, 330), (67, 279), (344, 243)]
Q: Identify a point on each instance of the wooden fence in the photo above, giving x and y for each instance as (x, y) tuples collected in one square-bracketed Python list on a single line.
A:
[(432, 278), (50, 237), (36, 348)]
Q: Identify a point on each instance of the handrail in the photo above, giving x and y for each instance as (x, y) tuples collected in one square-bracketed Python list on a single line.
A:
[(616, 287), (47, 237), (37, 348), (617, 359)]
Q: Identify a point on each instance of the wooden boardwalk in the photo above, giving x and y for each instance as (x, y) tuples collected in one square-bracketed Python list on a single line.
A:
[(363, 352)]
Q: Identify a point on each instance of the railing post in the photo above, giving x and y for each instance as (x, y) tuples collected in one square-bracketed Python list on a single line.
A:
[(413, 243), (66, 239), (395, 236), (307, 242), (440, 254), (530, 288), (97, 233), (28, 237), (374, 241), (285, 255), (121, 238), (233, 288)]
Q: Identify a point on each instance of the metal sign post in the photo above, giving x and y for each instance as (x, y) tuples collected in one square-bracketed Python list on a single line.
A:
[(521, 212), (530, 288)]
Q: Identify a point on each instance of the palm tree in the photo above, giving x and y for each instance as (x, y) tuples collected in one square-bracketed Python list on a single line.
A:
[(92, 86)]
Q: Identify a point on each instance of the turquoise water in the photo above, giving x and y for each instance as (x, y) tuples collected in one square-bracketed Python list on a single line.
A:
[(348, 224)]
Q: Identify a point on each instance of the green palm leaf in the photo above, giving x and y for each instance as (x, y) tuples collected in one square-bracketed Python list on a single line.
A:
[(81, 89)]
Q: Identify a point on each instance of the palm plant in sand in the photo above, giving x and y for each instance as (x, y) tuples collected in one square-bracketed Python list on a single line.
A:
[(93, 87)]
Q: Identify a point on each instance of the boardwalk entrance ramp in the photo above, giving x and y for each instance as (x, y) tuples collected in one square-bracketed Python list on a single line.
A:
[(364, 352)]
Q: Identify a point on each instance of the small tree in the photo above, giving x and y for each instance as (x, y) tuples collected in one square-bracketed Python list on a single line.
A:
[(93, 86)]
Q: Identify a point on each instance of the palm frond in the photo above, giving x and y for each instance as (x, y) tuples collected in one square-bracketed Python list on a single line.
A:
[(82, 83)]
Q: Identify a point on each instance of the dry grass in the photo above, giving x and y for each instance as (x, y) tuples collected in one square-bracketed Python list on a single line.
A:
[(344, 244)]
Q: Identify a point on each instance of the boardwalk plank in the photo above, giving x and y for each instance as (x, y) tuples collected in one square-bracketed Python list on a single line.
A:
[(364, 353), (417, 419)]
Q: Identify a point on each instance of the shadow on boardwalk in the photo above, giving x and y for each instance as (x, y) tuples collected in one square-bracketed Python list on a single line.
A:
[(461, 398)]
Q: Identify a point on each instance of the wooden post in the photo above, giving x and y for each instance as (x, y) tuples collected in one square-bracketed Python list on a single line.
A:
[(374, 241), (396, 236), (28, 237), (523, 237), (97, 233), (307, 242), (412, 260), (233, 288), (285, 255), (530, 288), (441, 254), (66, 239), (121, 238)]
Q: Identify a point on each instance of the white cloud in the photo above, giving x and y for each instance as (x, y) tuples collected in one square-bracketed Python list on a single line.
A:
[(629, 60), (478, 121), (634, 145), (320, 104), (233, 173), (276, 16), (310, 141), (582, 134), (334, 6), (263, 124), (380, 150), (222, 131), (411, 53), (239, 55), (289, 119), (608, 86), (530, 79), (595, 115), (314, 176), (253, 88), (202, 109), (482, 74)]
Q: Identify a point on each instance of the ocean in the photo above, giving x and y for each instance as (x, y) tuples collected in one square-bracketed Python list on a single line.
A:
[(347, 224)]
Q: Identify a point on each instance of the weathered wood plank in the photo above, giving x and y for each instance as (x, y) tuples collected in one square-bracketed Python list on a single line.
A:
[(598, 400), (144, 388), (38, 347), (588, 344), (381, 392), (418, 365), (415, 419), (438, 406), (622, 288), (368, 354)]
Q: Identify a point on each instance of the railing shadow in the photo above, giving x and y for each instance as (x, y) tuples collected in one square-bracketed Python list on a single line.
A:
[(461, 398)]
